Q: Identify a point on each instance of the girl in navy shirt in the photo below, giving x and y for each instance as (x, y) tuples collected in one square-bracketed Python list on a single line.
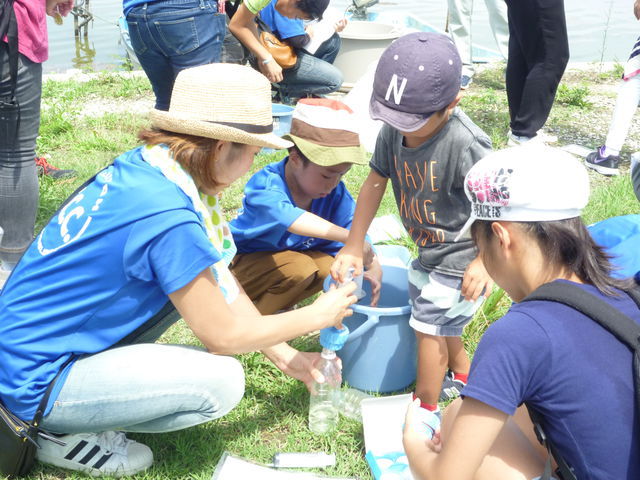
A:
[(526, 205)]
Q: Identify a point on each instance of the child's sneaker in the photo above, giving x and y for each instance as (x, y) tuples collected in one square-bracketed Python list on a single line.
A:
[(451, 387), (107, 453), (605, 165)]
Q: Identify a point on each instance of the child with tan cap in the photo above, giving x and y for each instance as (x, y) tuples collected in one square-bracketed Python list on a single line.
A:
[(297, 212)]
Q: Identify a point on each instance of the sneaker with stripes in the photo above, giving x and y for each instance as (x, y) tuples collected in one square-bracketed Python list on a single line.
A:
[(451, 387), (106, 453)]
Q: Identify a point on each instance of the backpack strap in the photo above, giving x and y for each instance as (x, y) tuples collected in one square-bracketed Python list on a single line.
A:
[(618, 324)]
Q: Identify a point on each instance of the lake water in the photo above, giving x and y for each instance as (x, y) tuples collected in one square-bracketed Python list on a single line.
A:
[(598, 30)]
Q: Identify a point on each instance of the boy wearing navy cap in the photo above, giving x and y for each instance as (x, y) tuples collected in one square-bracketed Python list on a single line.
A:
[(425, 148)]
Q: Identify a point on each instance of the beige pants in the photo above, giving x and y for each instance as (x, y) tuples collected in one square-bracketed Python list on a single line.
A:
[(278, 280)]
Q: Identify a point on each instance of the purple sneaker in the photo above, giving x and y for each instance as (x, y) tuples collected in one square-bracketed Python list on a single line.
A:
[(605, 165)]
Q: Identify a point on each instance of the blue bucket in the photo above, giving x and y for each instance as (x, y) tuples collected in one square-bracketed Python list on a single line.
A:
[(380, 353), (281, 120)]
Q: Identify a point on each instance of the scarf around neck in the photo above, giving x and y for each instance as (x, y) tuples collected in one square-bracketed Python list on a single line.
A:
[(208, 209)]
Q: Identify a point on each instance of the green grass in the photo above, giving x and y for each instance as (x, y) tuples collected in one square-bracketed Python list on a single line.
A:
[(272, 415)]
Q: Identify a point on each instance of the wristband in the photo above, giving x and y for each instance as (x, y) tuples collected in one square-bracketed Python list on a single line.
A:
[(267, 60)]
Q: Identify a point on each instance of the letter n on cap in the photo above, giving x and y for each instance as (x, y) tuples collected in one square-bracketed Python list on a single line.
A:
[(397, 92)]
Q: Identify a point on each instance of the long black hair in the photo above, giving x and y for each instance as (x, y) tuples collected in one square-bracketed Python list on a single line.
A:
[(567, 243)]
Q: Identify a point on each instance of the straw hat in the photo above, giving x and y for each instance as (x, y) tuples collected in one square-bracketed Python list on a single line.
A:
[(222, 101)]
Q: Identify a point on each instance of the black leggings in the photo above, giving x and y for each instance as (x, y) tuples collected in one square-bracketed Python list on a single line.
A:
[(538, 55)]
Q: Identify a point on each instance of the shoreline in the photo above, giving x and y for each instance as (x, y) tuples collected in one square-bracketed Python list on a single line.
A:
[(82, 76)]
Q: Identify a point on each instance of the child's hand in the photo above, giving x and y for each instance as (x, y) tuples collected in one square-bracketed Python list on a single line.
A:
[(332, 306), (475, 281), (415, 436), (374, 276), (346, 258), (340, 24)]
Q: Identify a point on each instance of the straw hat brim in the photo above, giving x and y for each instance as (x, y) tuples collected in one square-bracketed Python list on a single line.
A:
[(183, 124), (326, 156)]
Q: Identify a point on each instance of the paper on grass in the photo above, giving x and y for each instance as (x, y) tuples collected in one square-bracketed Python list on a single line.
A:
[(234, 468), (323, 30)]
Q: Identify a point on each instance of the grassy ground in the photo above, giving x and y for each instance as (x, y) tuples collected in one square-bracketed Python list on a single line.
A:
[(86, 124)]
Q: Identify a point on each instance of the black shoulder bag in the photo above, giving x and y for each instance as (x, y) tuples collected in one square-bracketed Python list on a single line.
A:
[(18, 439), (622, 327)]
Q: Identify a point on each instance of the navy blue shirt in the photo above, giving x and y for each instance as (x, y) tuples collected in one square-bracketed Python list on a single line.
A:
[(574, 373)]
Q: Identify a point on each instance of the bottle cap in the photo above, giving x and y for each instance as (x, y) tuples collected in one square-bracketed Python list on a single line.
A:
[(333, 339)]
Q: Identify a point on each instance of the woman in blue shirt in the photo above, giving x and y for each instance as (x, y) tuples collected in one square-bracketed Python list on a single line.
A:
[(140, 245)]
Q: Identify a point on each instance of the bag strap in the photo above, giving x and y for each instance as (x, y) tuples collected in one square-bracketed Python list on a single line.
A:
[(563, 468), (37, 418), (618, 324), (9, 27), (262, 25)]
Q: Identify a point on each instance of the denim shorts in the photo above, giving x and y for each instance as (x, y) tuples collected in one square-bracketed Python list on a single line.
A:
[(437, 306)]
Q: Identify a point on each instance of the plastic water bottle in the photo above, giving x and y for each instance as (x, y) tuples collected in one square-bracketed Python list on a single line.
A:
[(323, 411), (358, 292), (349, 403)]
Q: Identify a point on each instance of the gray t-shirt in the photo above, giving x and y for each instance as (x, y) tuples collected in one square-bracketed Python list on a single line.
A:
[(428, 183)]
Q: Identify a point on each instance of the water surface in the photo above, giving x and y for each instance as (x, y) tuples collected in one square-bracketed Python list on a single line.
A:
[(598, 30)]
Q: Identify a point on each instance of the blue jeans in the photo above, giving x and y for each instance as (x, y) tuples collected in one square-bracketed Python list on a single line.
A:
[(314, 74), (19, 124), (145, 387), (171, 35)]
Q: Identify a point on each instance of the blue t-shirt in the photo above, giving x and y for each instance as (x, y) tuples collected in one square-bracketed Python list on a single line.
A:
[(268, 210), (574, 373), (280, 25), (99, 269)]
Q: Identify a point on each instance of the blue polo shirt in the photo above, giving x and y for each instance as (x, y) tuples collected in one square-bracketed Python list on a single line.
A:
[(268, 210), (101, 267)]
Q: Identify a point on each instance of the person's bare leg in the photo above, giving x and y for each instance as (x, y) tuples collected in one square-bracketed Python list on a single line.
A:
[(512, 456), (458, 359), (432, 365)]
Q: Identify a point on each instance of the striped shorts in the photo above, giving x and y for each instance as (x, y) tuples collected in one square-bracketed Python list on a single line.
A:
[(437, 307)]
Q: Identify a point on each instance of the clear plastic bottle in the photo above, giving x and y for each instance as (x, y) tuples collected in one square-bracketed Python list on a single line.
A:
[(323, 410), (349, 403)]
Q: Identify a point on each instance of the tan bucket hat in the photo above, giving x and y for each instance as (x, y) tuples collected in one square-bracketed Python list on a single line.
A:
[(222, 101)]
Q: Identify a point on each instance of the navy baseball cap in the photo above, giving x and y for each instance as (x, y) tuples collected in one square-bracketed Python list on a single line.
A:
[(417, 75)]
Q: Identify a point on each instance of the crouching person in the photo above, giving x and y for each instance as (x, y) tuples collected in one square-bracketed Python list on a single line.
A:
[(297, 213), (140, 245)]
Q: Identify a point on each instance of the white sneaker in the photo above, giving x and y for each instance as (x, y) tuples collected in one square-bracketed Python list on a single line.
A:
[(541, 137), (546, 137), (107, 453), (515, 140)]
